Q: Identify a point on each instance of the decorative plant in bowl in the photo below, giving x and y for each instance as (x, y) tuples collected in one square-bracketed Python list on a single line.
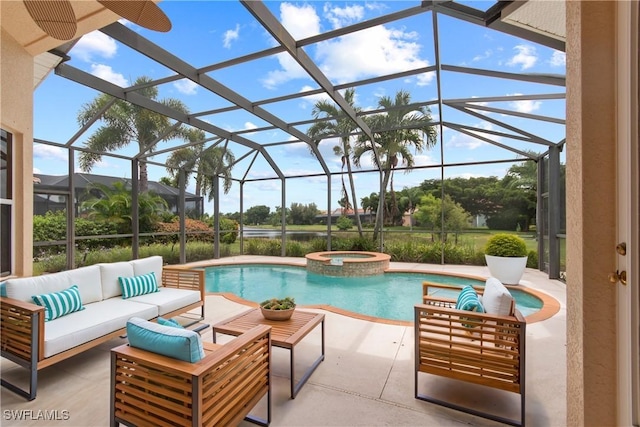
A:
[(506, 256), (278, 309)]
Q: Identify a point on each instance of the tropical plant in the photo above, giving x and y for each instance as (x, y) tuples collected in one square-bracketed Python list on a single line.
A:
[(344, 223), (506, 245), (114, 205), (336, 123), (207, 162), (411, 198), (279, 304), (125, 123), (401, 129)]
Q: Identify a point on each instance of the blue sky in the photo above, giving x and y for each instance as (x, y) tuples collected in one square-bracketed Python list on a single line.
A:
[(208, 32)]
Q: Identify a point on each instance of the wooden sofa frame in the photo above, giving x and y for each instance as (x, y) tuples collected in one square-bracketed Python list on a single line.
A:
[(478, 348), (148, 389), (22, 328)]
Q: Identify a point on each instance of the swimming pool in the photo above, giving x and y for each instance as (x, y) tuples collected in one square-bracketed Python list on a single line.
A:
[(388, 296)]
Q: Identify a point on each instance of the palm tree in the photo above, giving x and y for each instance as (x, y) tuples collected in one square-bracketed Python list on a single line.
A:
[(125, 123), (412, 197), (207, 162), (113, 204), (397, 131), (338, 123)]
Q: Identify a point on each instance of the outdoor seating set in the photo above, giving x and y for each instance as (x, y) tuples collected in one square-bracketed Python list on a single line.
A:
[(166, 375)]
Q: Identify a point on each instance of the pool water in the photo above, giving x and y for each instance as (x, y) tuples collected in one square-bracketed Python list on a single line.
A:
[(388, 296)]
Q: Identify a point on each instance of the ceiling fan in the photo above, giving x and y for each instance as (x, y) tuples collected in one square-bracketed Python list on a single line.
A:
[(57, 19)]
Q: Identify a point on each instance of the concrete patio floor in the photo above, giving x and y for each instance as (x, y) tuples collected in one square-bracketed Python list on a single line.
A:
[(366, 378)]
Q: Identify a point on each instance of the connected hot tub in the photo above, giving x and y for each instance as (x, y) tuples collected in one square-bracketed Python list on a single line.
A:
[(347, 263)]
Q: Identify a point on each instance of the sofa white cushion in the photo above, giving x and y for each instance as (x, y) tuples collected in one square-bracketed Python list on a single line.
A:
[(496, 298), (168, 299), (109, 274), (148, 265), (96, 320), (87, 279)]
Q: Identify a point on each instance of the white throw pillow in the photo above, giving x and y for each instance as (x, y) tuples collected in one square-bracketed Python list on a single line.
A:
[(496, 298)]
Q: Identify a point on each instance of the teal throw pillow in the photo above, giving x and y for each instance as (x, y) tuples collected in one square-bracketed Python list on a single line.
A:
[(169, 341), (169, 322), (58, 304), (138, 285), (468, 300)]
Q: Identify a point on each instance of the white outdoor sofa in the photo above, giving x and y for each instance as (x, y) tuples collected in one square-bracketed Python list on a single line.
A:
[(26, 339)]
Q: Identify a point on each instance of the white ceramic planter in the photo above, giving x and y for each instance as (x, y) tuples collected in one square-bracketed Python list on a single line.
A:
[(508, 270)]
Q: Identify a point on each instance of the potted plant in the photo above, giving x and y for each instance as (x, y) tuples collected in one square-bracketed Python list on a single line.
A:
[(278, 309), (506, 256)]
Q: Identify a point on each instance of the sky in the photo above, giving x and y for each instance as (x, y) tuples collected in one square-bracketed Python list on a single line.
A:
[(209, 32)]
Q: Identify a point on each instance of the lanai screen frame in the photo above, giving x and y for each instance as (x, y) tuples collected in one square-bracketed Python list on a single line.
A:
[(491, 18)]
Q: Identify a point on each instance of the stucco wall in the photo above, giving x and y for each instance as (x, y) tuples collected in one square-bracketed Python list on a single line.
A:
[(16, 112), (591, 213)]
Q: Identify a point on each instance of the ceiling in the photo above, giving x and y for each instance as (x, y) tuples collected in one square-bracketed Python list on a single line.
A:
[(541, 22)]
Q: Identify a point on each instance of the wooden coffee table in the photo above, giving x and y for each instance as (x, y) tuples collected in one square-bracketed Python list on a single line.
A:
[(284, 334)]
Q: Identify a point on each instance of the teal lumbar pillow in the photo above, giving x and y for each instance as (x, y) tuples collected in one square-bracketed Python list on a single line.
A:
[(169, 341), (468, 300), (138, 285), (58, 304), (169, 322)]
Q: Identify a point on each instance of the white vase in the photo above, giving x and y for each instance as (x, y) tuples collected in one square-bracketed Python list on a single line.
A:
[(508, 270)]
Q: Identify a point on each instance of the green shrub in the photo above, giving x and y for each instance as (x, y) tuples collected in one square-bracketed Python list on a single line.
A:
[(231, 228), (343, 223), (532, 260), (317, 245), (506, 245), (295, 249)]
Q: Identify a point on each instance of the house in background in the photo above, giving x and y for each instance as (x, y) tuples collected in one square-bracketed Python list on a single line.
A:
[(50, 193)]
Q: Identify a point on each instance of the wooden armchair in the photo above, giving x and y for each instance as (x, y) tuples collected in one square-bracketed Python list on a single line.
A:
[(148, 389), (479, 348)]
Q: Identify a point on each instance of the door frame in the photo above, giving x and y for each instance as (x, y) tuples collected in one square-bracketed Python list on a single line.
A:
[(628, 227)]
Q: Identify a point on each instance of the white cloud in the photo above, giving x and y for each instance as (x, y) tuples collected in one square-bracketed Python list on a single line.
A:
[(290, 69), (487, 53), (36, 170), (558, 59), (423, 160), (186, 86), (468, 142), (105, 72), (524, 106), (49, 152), (371, 52), (343, 16), (231, 35), (94, 44), (300, 21), (525, 58)]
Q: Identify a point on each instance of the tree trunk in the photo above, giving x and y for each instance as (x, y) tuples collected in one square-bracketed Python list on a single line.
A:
[(353, 198), (143, 184), (378, 227)]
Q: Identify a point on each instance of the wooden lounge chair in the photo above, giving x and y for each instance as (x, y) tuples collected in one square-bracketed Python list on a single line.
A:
[(149, 389), (480, 348)]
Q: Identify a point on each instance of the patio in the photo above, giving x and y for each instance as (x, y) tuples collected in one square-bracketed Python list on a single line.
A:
[(366, 378)]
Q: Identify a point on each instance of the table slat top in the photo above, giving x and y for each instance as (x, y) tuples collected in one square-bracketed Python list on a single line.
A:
[(284, 333)]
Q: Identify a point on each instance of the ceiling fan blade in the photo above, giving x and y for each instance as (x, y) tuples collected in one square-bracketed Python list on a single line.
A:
[(54, 17), (144, 13)]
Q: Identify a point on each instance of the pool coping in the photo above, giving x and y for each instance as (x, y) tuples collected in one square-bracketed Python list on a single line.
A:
[(550, 306)]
